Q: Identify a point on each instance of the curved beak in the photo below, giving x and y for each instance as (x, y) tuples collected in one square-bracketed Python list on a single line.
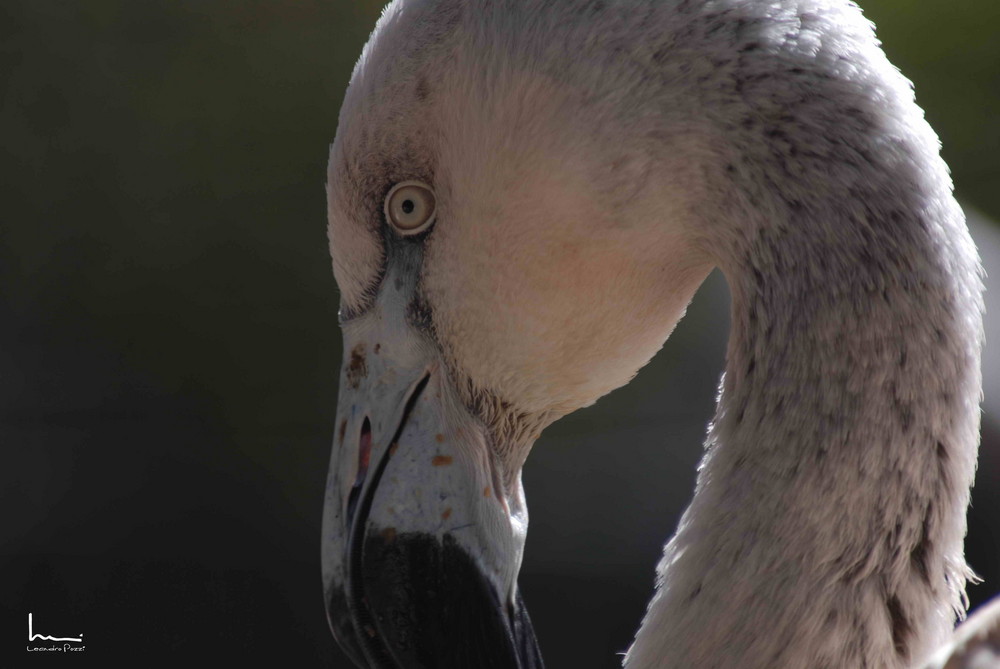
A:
[(421, 543)]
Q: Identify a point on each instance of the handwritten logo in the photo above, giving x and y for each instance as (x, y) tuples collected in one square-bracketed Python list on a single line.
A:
[(65, 647)]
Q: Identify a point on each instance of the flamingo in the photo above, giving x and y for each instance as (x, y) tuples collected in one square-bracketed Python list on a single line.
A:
[(523, 196)]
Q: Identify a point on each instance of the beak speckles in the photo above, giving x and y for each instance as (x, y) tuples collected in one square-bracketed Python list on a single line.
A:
[(357, 368), (418, 569)]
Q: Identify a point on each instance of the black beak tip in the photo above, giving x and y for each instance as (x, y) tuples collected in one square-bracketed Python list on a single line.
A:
[(524, 635), (423, 602), (338, 617)]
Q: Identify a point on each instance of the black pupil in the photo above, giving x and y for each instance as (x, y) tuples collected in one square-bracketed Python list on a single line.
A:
[(407, 206)]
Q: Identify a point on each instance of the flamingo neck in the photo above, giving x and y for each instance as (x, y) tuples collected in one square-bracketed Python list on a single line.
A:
[(826, 528)]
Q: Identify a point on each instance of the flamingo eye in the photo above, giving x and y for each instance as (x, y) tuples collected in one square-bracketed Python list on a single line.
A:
[(410, 207)]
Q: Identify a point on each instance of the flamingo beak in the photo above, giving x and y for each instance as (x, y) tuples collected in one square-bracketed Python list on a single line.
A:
[(420, 551)]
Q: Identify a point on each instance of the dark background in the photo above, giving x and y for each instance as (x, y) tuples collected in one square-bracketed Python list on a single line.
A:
[(169, 352)]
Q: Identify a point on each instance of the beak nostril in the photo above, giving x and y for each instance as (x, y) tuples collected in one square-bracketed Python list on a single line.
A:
[(365, 448), (364, 458)]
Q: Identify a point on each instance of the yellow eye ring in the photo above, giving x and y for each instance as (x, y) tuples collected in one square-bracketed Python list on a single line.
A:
[(410, 207)]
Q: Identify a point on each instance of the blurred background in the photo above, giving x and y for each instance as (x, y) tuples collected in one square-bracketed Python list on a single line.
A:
[(169, 352)]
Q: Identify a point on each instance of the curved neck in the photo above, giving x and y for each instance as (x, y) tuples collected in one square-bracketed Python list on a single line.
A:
[(827, 524)]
